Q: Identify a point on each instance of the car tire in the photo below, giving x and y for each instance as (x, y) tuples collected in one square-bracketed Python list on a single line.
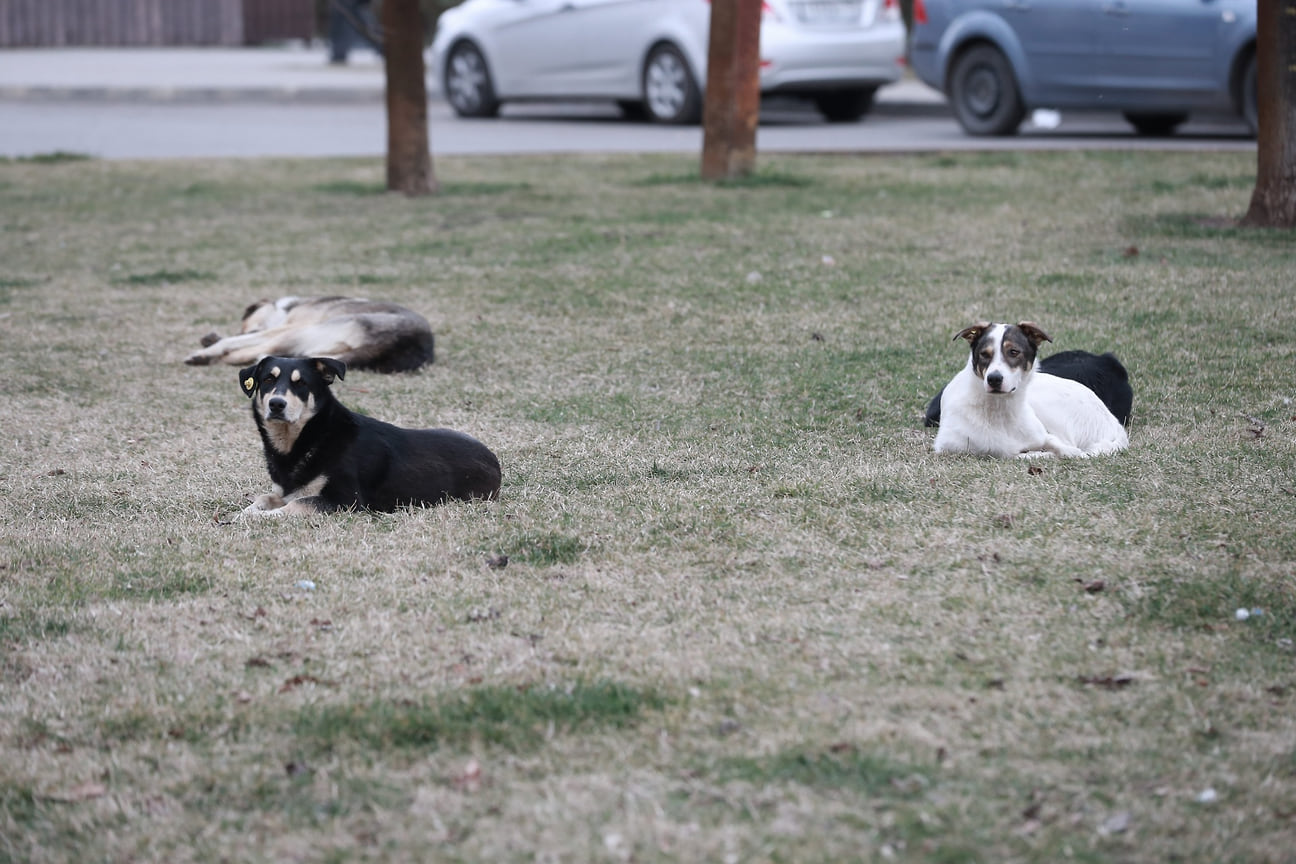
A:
[(1250, 113), (467, 82), (1155, 125), (845, 106), (670, 91), (983, 92)]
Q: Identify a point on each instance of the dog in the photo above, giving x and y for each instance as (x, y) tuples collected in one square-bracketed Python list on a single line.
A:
[(999, 405), (323, 457), (364, 334), (1101, 373)]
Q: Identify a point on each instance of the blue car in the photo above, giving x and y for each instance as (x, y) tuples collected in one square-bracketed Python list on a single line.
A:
[(1155, 61)]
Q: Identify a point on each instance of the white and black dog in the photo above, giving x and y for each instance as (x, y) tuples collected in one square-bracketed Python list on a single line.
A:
[(323, 457), (1104, 374), (364, 334), (1000, 405)]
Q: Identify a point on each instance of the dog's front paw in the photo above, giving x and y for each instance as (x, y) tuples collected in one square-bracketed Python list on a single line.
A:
[(199, 358), (263, 504), (210, 339)]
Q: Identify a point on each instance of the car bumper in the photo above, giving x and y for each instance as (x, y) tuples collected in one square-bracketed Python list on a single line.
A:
[(925, 63), (831, 60)]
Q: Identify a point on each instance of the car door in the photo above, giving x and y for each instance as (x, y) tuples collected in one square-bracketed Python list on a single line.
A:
[(1160, 49), (575, 48), (1059, 39)]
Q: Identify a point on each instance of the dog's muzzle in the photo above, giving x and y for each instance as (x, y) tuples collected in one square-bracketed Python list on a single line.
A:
[(994, 381), (275, 406)]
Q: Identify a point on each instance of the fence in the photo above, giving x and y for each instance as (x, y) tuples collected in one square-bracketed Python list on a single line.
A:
[(39, 23)]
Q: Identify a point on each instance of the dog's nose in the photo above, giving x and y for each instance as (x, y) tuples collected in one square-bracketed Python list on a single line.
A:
[(277, 404), (995, 380)]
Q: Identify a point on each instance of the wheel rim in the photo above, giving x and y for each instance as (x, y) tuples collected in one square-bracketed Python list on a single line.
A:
[(982, 93), (466, 81), (665, 86)]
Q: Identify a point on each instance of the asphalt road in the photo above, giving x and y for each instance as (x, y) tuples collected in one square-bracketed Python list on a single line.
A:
[(185, 129)]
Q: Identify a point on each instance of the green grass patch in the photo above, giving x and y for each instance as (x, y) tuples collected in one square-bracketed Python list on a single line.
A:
[(512, 718), (159, 583), (757, 180), (350, 188), (1173, 600), (165, 277), (459, 189), (54, 157), (843, 767), (29, 627), (546, 549), (18, 803)]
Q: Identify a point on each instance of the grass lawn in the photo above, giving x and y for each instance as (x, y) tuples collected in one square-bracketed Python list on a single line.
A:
[(746, 614)]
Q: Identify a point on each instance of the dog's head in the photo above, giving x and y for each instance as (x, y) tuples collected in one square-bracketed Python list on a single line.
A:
[(264, 314), (290, 390), (1003, 355)]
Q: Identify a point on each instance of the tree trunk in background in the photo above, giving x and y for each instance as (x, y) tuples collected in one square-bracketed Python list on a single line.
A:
[(1273, 203), (731, 107), (409, 159)]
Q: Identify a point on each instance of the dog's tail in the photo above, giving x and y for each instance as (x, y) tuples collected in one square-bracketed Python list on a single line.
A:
[(932, 417)]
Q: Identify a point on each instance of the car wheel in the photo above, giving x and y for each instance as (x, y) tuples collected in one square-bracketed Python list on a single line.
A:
[(670, 93), (983, 92), (845, 106), (467, 83), (1250, 112), (1155, 125)]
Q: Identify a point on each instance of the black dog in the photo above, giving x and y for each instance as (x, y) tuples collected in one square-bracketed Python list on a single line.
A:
[(1101, 373), (324, 457)]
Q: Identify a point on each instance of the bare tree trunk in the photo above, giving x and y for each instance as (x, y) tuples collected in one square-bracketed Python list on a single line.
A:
[(731, 108), (409, 159), (1273, 203)]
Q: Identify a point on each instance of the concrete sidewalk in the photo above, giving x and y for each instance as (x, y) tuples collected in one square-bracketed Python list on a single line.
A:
[(287, 73)]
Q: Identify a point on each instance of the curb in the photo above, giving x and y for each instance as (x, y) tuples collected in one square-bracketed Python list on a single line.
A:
[(197, 95), (320, 96)]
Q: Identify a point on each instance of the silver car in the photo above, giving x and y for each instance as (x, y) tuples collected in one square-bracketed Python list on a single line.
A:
[(1156, 61), (649, 56)]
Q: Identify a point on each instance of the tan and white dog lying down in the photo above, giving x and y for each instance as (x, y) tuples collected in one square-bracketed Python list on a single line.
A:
[(364, 334), (1000, 406)]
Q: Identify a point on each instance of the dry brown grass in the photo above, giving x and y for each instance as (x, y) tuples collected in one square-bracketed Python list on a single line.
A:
[(747, 614)]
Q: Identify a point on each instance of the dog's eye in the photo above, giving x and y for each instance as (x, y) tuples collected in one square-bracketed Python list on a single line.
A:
[(1013, 352)]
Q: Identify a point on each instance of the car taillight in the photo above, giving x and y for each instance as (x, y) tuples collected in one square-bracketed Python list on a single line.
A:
[(920, 12)]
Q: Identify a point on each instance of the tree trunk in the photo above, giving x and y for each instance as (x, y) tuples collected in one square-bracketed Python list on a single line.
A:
[(409, 159), (1273, 203), (731, 108)]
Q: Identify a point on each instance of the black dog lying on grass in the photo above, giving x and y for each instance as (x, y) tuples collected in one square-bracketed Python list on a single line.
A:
[(323, 457), (1101, 373)]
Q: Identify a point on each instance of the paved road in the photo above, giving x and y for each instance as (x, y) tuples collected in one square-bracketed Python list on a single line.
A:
[(148, 103), (150, 129)]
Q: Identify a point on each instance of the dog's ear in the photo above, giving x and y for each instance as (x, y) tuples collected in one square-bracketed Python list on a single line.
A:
[(973, 333), (330, 367), (1034, 333), (253, 307), (249, 377)]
